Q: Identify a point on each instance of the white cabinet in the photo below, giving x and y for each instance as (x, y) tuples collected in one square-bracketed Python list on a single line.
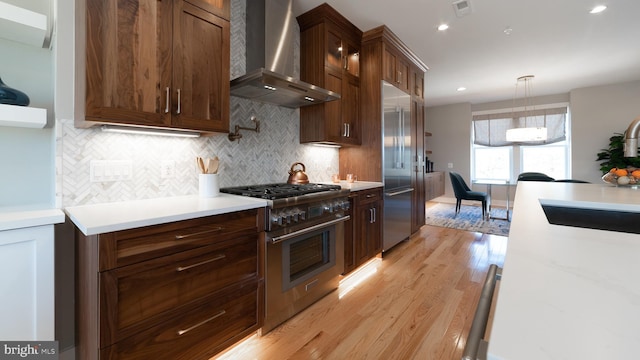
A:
[(27, 274)]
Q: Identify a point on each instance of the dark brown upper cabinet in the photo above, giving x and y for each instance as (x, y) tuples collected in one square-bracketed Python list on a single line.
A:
[(396, 69), (330, 58), (158, 64)]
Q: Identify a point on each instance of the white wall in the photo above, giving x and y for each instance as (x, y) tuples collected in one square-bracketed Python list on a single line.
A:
[(451, 129), (26, 155), (597, 113)]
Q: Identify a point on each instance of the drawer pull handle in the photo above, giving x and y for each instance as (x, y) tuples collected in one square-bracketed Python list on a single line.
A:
[(182, 332), (180, 237), (183, 268)]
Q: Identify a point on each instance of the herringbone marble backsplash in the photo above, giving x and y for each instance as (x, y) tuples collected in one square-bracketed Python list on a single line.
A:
[(257, 158)]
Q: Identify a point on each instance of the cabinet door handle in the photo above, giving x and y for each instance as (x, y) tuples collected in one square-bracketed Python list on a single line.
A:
[(370, 216), (399, 76), (181, 237), (369, 196), (178, 111), (182, 332), (344, 130), (374, 214), (348, 130), (166, 104), (216, 258)]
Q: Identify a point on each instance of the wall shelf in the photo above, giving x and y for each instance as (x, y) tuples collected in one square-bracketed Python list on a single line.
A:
[(22, 25), (22, 116)]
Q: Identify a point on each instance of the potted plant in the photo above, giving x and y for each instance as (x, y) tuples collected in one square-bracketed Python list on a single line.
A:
[(615, 167), (613, 157)]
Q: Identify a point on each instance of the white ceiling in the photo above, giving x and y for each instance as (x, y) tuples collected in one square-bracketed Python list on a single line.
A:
[(558, 41)]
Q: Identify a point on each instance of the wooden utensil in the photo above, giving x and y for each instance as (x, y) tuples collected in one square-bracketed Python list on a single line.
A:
[(200, 162), (212, 166)]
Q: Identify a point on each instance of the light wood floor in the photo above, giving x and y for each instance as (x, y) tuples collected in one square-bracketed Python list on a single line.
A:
[(418, 305)]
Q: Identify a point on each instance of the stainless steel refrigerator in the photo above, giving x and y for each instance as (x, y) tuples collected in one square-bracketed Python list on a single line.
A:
[(396, 165)]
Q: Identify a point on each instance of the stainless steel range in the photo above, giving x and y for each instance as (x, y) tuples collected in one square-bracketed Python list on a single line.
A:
[(305, 244)]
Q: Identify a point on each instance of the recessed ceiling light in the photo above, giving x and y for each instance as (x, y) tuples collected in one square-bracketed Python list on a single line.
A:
[(443, 27), (598, 9), (508, 30), (461, 88)]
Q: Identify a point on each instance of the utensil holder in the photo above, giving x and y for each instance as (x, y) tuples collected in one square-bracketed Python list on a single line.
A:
[(208, 185)]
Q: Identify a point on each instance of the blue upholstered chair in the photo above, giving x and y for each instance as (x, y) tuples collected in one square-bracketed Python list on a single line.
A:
[(534, 176), (463, 192)]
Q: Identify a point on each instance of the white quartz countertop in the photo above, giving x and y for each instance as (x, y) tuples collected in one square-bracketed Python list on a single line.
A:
[(359, 185), (108, 217), (566, 292), (23, 217)]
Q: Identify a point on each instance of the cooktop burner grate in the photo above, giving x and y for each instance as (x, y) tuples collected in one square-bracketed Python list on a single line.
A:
[(279, 190)]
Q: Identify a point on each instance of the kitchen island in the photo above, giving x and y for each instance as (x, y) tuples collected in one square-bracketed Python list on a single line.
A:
[(568, 292)]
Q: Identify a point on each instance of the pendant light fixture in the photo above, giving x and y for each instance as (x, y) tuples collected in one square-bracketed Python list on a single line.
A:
[(526, 134)]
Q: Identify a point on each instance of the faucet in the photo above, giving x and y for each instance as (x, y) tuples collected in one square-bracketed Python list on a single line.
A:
[(631, 138), (237, 136)]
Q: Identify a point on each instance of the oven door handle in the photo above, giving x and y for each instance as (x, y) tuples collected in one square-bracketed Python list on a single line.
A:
[(277, 239)]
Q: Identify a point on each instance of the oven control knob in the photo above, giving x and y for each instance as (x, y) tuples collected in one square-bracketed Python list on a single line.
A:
[(276, 219), (297, 215), (303, 215), (328, 208)]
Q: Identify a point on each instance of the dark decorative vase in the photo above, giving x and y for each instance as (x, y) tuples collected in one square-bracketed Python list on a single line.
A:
[(11, 96)]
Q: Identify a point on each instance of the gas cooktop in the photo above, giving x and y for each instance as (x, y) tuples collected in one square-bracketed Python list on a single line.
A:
[(279, 190)]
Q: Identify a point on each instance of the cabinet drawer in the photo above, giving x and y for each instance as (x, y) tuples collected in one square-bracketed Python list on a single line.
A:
[(368, 196), (131, 246), (135, 294), (195, 334)]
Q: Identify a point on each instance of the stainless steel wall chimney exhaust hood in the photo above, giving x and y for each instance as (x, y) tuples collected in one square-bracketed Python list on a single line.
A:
[(270, 76)]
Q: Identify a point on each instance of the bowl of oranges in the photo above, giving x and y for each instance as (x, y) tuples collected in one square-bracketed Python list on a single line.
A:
[(629, 176)]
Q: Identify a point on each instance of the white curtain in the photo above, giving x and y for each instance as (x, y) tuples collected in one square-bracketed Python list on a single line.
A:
[(491, 129)]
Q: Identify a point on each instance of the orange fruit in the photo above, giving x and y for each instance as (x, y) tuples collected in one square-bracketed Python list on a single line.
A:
[(636, 174), (613, 170), (621, 172)]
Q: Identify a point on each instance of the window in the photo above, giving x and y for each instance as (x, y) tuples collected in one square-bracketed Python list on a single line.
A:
[(492, 163), (494, 157), (548, 159)]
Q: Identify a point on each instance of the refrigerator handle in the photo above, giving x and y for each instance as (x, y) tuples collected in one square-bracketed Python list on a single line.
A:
[(399, 192), (395, 152), (402, 140), (398, 143)]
